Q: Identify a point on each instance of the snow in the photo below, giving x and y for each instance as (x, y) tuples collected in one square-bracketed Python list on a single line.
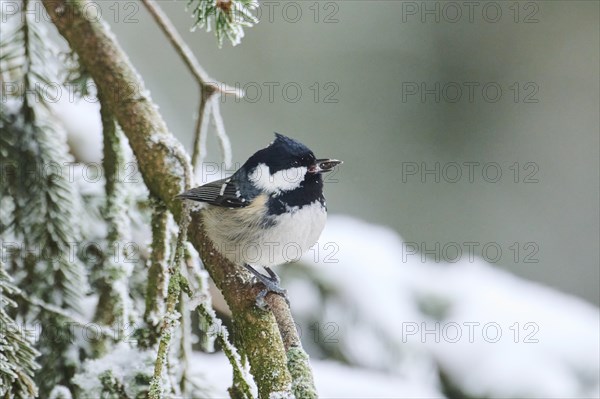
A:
[(332, 379), (407, 316), (552, 352), (125, 363), (281, 395), (81, 120), (60, 392)]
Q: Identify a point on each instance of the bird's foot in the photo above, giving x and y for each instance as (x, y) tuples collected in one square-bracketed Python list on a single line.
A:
[(271, 283)]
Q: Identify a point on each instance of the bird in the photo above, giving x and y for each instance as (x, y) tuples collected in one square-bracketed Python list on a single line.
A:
[(269, 212)]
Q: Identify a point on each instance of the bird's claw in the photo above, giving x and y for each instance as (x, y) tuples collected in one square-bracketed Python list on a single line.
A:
[(271, 283)]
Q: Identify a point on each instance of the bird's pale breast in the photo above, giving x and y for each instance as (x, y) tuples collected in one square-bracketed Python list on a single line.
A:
[(248, 235)]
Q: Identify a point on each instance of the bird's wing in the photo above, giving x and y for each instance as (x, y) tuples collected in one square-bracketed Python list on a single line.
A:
[(224, 192)]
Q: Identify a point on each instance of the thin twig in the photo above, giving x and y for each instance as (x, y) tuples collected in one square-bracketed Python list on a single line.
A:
[(184, 51), (221, 134), (185, 345), (201, 131)]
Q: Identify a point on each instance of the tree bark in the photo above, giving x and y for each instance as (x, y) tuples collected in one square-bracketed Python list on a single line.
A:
[(158, 154)]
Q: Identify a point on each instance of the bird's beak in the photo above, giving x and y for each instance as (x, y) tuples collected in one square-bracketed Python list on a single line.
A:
[(324, 165)]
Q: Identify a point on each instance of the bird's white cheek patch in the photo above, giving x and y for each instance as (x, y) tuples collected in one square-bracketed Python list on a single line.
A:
[(284, 180)]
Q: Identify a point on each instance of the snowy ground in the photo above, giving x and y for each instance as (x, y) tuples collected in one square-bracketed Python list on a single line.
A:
[(492, 333), (333, 380)]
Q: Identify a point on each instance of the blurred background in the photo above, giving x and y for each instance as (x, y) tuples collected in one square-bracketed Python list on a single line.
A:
[(461, 126)]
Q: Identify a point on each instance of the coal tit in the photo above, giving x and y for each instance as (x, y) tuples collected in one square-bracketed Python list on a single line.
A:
[(269, 211)]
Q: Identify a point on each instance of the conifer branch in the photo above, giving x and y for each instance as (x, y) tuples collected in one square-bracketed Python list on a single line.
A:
[(44, 204), (229, 17), (68, 315), (17, 355)]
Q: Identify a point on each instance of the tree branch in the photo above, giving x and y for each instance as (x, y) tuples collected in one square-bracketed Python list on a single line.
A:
[(158, 155)]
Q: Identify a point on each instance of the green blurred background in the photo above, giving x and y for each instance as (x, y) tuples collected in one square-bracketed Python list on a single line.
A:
[(357, 63)]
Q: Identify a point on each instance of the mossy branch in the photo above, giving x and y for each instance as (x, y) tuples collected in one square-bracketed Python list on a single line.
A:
[(157, 273), (158, 154)]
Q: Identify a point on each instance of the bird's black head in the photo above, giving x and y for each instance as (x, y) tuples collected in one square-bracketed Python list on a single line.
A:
[(283, 153), (284, 165)]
